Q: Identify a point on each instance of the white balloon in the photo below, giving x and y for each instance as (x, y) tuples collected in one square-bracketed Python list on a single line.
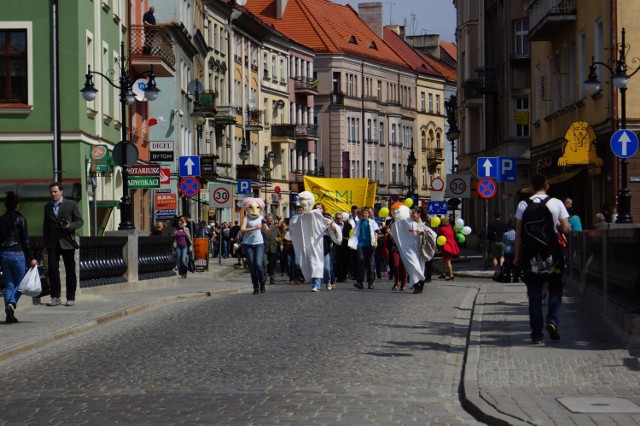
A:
[(459, 222), (466, 230)]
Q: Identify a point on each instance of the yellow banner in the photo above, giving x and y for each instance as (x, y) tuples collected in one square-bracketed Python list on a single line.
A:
[(339, 194)]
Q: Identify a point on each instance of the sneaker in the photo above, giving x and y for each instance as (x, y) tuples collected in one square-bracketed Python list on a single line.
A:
[(315, 289), (10, 311), (358, 285), (328, 286), (537, 341), (70, 303), (553, 331), (55, 301)]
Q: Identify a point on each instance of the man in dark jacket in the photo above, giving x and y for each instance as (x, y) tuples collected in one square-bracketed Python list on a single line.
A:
[(61, 219), (271, 248)]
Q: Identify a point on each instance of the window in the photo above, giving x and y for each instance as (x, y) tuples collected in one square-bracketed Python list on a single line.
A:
[(521, 34), (15, 77), (381, 137), (393, 134), (581, 64), (423, 140), (273, 67), (430, 102), (379, 90), (105, 85), (521, 111), (369, 169), (393, 174), (89, 55), (381, 175), (422, 101), (283, 70), (597, 48), (437, 104), (424, 177)]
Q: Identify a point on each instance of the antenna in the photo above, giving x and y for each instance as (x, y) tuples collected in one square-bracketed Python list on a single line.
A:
[(391, 4)]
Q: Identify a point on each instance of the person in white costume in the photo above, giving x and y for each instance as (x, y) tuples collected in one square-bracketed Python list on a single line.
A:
[(306, 231), (408, 236)]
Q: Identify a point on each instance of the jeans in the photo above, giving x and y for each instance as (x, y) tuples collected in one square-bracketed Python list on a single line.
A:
[(315, 283), (183, 256), (13, 270), (291, 264), (225, 247), (365, 264), (68, 258), (329, 276), (534, 284), (255, 256)]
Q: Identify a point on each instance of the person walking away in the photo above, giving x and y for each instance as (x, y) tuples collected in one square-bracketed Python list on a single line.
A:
[(449, 249), (284, 263), (574, 220), (599, 222), (271, 247), (61, 219), (510, 272), (226, 237), (15, 253), (366, 237), (183, 245), (496, 246), (538, 220)]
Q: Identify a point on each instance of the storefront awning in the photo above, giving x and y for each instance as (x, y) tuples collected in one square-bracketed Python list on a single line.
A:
[(563, 176)]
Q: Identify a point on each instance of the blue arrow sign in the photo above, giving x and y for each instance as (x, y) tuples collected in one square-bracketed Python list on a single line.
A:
[(189, 165), (437, 207), (488, 167), (507, 171), (624, 143)]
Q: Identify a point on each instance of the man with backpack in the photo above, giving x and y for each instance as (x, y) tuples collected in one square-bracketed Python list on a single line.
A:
[(539, 220)]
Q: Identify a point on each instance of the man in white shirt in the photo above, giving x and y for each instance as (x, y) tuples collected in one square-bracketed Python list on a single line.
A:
[(535, 280)]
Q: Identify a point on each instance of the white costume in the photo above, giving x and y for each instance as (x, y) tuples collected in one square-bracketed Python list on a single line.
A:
[(410, 243), (306, 230)]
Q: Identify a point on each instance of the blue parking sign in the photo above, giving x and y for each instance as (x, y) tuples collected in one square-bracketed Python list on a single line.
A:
[(244, 186), (507, 169)]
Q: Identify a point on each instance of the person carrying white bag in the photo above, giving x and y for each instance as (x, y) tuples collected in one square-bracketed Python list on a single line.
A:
[(14, 252)]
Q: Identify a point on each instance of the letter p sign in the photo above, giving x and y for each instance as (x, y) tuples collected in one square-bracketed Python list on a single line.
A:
[(244, 186), (507, 169)]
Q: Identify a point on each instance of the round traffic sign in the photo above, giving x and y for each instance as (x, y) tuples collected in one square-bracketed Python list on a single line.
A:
[(487, 187), (437, 184), (189, 186), (458, 186), (131, 153), (220, 196), (624, 143)]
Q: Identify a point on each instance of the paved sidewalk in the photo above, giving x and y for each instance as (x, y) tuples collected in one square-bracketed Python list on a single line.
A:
[(588, 377)]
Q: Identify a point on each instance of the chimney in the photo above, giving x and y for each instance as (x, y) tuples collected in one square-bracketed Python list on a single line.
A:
[(428, 43), (371, 14), (280, 6)]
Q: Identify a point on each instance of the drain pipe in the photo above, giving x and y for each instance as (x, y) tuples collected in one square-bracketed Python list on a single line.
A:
[(57, 133)]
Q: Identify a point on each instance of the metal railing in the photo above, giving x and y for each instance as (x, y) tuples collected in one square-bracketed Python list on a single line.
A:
[(150, 40), (539, 9)]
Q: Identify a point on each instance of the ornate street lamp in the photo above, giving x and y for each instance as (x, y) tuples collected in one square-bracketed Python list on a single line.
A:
[(411, 163), (89, 93), (452, 135), (619, 78), (198, 119), (266, 173)]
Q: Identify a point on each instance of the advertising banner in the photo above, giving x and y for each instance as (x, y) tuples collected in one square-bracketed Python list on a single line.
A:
[(201, 254)]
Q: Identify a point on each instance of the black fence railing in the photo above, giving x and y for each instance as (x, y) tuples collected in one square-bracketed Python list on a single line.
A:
[(156, 257), (102, 261)]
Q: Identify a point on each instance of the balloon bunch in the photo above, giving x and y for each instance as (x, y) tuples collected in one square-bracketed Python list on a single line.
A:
[(461, 230)]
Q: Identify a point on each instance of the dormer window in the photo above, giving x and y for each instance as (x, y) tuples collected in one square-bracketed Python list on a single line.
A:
[(373, 45), (352, 40)]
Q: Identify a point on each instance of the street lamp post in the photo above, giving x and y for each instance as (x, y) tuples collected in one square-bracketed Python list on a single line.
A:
[(266, 171), (199, 119), (452, 135), (620, 78), (89, 93), (411, 163)]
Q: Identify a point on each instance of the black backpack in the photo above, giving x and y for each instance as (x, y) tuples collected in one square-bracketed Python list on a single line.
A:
[(541, 251)]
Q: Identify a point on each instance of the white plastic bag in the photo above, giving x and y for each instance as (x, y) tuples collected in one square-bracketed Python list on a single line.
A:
[(30, 284)]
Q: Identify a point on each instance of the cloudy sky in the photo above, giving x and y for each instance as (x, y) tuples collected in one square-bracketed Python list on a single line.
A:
[(418, 16)]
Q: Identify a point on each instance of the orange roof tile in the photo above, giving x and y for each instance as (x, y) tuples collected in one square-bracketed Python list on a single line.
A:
[(444, 68), (327, 28), (450, 48)]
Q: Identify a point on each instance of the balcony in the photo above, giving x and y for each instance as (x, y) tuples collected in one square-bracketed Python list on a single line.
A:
[(305, 85), (435, 156), (226, 114), (253, 119), (548, 18), (283, 133), (306, 131), (248, 171), (152, 45), (487, 80), (208, 103)]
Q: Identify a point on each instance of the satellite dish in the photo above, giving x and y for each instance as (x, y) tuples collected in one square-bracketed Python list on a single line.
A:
[(138, 89), (195, 86)]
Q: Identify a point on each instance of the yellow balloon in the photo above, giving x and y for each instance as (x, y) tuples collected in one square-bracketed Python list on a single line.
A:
[(408, 202), (442, 240), (383, 212), (435, 222), (351, 232)]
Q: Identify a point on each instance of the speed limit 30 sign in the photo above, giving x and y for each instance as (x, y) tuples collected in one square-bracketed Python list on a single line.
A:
[(458, 186), (221, 196)]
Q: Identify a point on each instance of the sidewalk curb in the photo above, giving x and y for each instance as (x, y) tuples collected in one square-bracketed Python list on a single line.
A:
[(37, 343), (471, 398)]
